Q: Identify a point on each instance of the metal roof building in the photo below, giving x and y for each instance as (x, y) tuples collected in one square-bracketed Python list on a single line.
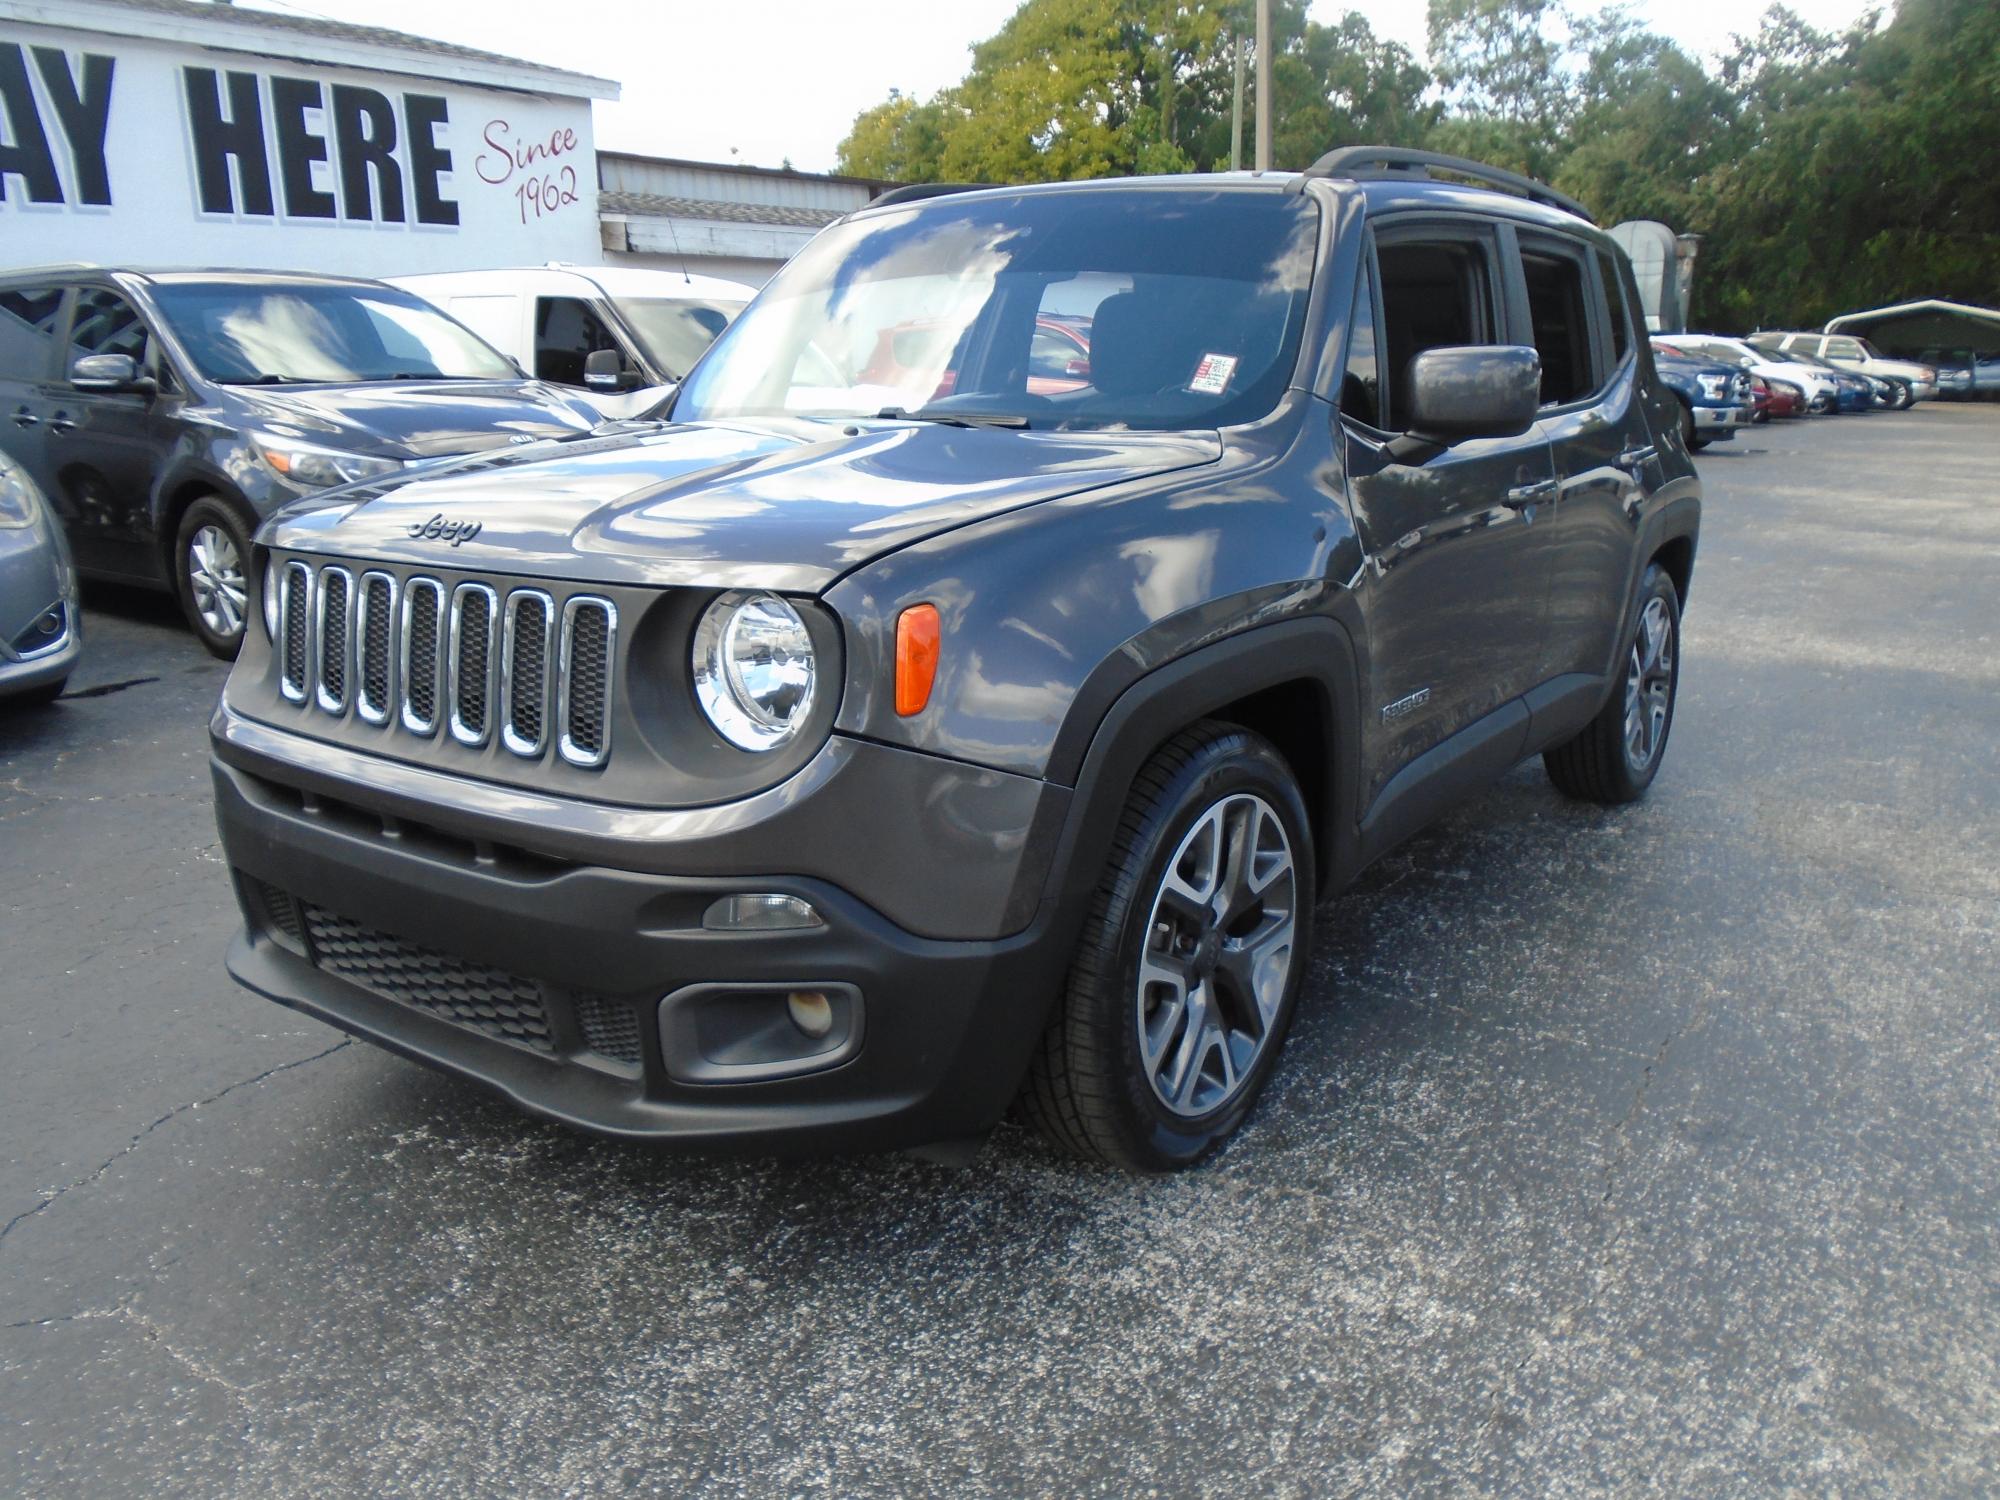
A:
[(716, 218), (1910, 329)]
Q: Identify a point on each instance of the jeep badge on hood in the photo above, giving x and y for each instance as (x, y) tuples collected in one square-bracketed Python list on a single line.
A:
[(438, 529)]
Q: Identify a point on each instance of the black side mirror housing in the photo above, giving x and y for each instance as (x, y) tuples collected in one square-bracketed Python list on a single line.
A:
[(606, 370), (107, 374), (1469, 391)]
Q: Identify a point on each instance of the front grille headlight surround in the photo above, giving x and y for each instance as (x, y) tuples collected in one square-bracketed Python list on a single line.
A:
[(756, 673)]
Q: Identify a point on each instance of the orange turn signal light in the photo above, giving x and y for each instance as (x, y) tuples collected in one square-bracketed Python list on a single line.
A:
[(918, 633)]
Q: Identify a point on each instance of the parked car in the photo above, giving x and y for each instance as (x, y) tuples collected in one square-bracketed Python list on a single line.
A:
[(645, 327), (1846, 351), (163, 413), (1852, 392), (1954, 371), (41, 628), (830, 772), (1818, 383), (1775, 398), (1715, 396)]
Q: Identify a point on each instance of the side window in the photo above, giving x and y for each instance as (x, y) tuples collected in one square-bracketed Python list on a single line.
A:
[(1056, 356), (566, 332), (1435, 293), (28, 331), (1361, 385), (1560, 316), (106, 323), (1614, 296), (1845, 349)]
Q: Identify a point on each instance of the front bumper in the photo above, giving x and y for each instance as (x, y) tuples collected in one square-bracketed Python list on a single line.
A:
[(46, 664), (543, 978), (1721, 422)]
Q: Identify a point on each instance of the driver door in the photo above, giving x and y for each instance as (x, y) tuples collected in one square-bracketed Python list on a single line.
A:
[(105, 448), (1454, 588)]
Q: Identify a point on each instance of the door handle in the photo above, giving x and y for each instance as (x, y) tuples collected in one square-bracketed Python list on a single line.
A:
[(1526, 496), (1633, 458), (26, 418), (61, 422)]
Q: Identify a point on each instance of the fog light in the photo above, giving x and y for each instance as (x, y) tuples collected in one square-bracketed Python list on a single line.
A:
[(811, 1012), (763, 912)]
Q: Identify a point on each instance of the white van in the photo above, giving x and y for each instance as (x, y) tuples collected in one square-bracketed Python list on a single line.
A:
[(553, 318)]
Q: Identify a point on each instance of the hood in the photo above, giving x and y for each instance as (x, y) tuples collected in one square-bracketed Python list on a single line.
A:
[(781, 504), (415, 418)]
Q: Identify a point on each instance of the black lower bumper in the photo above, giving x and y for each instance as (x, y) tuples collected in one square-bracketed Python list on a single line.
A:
[(512, 969)]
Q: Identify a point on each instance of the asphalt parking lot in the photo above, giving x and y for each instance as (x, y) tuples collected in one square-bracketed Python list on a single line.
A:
[(1644, 1151)]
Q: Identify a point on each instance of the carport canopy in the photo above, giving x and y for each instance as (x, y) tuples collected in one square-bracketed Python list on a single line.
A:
[(1910, 329)]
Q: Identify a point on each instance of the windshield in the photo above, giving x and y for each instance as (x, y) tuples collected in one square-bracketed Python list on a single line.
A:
[(1176, 308), (247, 334), (676, 331)]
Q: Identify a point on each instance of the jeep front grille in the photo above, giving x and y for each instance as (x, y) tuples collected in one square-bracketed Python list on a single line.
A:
[(433, 659)]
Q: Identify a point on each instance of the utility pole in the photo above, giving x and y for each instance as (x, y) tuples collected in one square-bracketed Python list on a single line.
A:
[(1263, 85), (1236, 106)]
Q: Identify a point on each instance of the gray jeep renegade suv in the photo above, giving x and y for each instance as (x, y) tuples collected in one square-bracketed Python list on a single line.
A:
[(919, 722)]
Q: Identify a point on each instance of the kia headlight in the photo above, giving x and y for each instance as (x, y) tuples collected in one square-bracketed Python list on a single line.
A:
[(754, 670), (20, 498), (316, 468)]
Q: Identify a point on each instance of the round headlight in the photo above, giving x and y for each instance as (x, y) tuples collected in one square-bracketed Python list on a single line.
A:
[(754, 670), (267, 589)]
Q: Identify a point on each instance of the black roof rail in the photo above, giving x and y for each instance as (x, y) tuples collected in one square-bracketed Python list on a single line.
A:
[(1400, 161), (916, 192)]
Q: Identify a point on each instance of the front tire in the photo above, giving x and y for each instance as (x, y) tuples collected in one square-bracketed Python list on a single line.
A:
[(1615, 757), (211, 571), (1190, 963)]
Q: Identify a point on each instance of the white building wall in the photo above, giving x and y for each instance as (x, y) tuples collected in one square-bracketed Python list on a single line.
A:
[(214, 156)]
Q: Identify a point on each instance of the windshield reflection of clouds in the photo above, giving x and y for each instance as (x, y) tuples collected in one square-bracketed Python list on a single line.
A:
[(934, 308)]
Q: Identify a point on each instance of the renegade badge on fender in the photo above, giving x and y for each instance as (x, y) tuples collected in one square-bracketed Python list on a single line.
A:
[(900, 731)]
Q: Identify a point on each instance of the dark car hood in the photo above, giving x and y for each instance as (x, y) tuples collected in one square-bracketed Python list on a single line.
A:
[(783, 505), (416, 418)]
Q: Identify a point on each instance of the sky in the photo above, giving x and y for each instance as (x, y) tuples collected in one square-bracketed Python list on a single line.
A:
[(764, 82)]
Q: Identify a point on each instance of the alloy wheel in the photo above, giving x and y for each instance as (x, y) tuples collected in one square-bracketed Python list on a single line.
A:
[(215, 576), (1649, 686), (1220, 945)]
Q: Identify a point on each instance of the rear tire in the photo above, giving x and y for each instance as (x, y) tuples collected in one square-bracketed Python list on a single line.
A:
[(1190, 963), (211, 573), (1615, 757)]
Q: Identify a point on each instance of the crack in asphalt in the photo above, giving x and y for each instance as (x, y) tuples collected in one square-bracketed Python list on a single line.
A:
[(106, 689), (179, 1109)]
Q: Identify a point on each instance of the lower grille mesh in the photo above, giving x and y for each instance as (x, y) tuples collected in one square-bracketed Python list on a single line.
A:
[(609, 1029), (489, 1000)]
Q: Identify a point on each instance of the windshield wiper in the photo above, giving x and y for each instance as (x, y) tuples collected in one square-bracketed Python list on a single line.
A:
[(953, 418), (269, 378)]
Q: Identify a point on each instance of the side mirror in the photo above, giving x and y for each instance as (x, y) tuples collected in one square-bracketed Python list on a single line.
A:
[(109, 374), (606, 370), (1478, 391)]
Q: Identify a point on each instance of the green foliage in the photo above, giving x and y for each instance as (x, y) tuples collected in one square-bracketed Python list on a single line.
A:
[(1824, 172)]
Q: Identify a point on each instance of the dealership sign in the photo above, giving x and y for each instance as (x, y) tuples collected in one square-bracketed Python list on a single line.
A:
[(151, 153)]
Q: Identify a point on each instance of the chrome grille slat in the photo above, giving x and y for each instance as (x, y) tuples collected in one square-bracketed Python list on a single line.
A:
[(295, 632), (469, 663), (418, 654), (527, 669), (583, 710), (375, 654), (333, 634), (526, 644)]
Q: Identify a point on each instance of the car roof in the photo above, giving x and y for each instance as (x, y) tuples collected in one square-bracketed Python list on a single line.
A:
[(1389, 193), (616, 281)]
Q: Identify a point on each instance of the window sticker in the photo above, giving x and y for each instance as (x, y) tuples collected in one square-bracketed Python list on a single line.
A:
[(1211, 376)]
